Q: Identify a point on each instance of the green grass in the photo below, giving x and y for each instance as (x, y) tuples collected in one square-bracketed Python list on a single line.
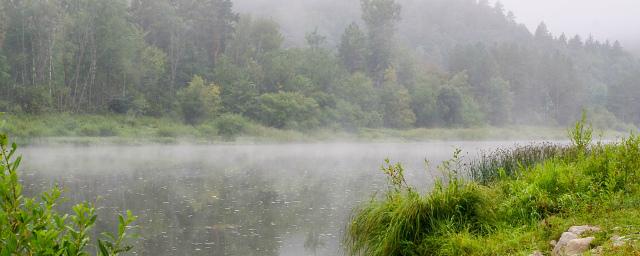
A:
[(124, 129), (518, 202)]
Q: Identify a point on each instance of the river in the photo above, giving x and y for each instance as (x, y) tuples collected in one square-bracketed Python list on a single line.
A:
[(290, 199)]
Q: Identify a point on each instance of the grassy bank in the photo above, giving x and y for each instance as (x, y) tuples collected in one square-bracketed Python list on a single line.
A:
[(123, 129), (513, 204)]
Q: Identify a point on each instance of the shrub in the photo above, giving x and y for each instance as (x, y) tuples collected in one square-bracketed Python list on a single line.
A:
[(33, 227), (198, 100), (120, 105), (231, 125), (90, 130), (33, 99), (107, 130), (449, 102), (288, 110), (166, 132)]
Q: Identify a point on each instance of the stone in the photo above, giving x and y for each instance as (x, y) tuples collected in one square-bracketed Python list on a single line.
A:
[(571, 243), (618, 241), (536, 253), (553, 243), (579, 230), (578, 246), (562, 243)]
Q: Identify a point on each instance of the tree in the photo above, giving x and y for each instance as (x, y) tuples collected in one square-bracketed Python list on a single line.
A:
[(381, 18), (210, 24), (358, 102), (287, 110), (353, 49), (3, 23), (563, 39), (449, 104), (315, 40), (254, 39), (359, 89), (499, 102), (423, 99), (199, 100), (576, 42), (542, 32), (396, 103)]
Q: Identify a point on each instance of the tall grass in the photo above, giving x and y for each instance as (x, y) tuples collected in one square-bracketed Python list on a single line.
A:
[(498, 210), (490, 167)]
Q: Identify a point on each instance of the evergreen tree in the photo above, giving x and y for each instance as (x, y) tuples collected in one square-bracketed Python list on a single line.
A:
[(576, 42), (381, 18), (353, 49), (542, 32), (315, 40)]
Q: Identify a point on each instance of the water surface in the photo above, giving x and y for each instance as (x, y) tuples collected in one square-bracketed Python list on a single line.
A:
[(292, 199)]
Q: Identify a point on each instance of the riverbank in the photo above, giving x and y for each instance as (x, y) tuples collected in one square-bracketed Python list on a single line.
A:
[(511, 203), (126, 130)]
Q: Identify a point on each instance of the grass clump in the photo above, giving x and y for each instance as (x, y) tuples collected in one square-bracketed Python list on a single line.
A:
[(506, 203)]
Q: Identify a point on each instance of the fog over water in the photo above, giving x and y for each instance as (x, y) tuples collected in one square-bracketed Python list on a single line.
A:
[(233, 199)]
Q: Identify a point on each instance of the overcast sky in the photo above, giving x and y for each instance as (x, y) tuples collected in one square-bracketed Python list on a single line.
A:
[(605, 19)]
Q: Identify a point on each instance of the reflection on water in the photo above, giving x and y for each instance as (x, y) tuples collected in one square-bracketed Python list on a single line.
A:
[(232, 199)]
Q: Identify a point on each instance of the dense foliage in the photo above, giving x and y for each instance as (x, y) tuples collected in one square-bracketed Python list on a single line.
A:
[(29, 226), (402, 64), (524, 200)]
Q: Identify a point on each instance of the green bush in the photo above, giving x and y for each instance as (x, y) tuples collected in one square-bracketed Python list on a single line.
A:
[(33, 99), (33, 227), (288, 110), (167, 132), (90, 130), (199, 100), (231, 125)]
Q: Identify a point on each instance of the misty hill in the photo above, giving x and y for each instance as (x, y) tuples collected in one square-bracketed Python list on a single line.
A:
[(437, 29), (635, 48), (309, 64)]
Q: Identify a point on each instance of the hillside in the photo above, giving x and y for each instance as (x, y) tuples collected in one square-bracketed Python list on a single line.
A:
[(370, 64)]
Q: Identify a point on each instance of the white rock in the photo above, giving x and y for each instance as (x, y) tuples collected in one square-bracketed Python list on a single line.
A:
[(570, 242), (578, 246), (563, 242), (579, 230), (536, 253)]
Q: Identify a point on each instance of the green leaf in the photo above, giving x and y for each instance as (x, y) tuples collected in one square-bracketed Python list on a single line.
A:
[(103, 249)]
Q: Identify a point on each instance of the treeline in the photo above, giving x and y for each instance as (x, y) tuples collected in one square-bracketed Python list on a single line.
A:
[(467, 63)]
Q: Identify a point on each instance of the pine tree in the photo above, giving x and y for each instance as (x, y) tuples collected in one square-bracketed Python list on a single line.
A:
[(353, 49), (381, 18), (542, 32)]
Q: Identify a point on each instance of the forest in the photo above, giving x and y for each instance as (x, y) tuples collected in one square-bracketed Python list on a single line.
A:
[(387, 64)]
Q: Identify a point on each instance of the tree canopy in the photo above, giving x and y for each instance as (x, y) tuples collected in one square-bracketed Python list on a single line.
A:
[(401, 64)]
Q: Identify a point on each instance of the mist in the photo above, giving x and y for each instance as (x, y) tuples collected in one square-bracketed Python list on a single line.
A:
[(604, 20), (300, 127), (235, 199)]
